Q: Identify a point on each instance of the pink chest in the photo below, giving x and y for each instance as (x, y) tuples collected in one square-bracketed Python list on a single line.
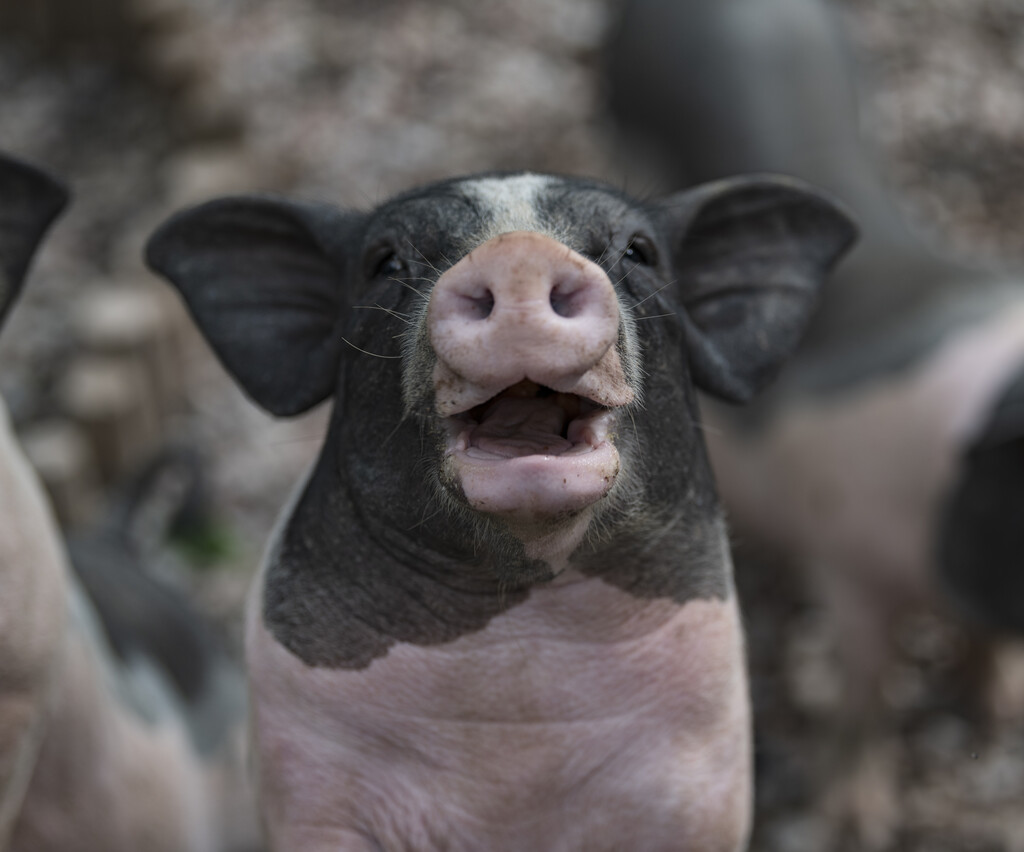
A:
[(583, 718)]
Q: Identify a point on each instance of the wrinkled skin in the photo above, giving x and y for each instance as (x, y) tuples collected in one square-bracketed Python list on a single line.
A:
[(499, 612), (95, 754), (886, 464)]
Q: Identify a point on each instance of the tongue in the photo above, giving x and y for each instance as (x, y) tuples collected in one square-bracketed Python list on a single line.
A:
[(514, 427)]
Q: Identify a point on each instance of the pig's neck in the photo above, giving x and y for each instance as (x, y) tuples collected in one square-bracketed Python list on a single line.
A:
[(344, 584)]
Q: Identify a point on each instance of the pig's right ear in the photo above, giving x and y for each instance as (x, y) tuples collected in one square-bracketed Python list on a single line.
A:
[(264, 279), (29, 202)]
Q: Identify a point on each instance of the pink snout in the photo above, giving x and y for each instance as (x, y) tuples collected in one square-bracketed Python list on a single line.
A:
[(524, 306)]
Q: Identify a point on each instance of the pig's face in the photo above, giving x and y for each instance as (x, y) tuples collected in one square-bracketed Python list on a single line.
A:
[(513, 360), (520, 359)]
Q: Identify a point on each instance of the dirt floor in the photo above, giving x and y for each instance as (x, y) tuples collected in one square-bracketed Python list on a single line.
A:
[(158, 103)]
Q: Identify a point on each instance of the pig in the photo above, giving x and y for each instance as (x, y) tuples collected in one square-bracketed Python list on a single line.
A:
[(101, 750), (885, 464), (499, 611), (31, 563)]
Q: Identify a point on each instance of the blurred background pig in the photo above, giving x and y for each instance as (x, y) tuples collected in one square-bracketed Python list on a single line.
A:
[(147, 105), (31, 562), (121, 719)]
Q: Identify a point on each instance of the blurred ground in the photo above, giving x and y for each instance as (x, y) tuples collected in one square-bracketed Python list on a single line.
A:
[(147, 105)]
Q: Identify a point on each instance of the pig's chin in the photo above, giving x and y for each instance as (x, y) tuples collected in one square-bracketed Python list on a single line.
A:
[(533, 455)]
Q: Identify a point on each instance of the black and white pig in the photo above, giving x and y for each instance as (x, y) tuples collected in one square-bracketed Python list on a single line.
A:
[(101, 749), (499, 613), (888, 461)]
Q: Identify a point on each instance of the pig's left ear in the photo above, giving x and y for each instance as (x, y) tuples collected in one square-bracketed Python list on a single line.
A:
[(750, 255), (29, 202), (264, 278)]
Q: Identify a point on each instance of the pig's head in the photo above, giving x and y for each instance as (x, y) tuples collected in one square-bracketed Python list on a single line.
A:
[(513, 360), (29, 202)]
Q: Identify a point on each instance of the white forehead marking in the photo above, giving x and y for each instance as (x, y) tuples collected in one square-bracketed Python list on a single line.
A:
[(510, 201)]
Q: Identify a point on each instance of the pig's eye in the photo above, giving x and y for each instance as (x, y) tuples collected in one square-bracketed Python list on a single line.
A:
[(640, 250), (390, 265)]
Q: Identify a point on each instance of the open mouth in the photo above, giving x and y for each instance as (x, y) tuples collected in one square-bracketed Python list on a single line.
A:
[(532, 452), (528, 419)]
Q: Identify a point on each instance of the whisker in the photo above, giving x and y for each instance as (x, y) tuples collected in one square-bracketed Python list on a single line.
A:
[(372, 354), (622, 254), (655, 316), (393, 432), (423, 257), (636, 436), (604, 254), (420, 279), (655, 293), (399, 316), (625, 274), (622, 278), (405, 283), (423, 519)]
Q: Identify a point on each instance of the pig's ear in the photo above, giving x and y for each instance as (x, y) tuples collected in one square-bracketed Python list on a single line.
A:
[(29, 202), (750, 255), (264, 279)]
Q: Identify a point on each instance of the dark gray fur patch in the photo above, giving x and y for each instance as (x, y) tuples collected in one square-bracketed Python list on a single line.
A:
[(357, 571)]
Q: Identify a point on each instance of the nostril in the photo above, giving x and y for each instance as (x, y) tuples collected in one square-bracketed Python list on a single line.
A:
[(567, 299), (477, 307)]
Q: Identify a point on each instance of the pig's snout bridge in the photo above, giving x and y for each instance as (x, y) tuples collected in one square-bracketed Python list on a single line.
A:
[(523, 305)]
